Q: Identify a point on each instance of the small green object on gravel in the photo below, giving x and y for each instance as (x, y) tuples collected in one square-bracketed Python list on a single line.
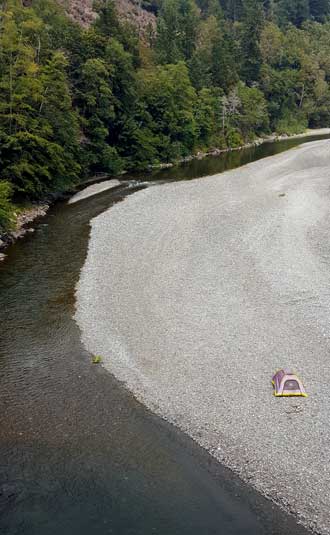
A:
[(97, 359)]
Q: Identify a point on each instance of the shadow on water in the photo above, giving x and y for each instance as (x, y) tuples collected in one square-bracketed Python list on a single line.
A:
[(78, 455)]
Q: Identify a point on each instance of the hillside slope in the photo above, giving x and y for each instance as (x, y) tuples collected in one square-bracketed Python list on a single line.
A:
[(82, 12)]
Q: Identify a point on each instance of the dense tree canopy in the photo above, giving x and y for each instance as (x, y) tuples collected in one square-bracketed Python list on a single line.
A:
[(216, 73)]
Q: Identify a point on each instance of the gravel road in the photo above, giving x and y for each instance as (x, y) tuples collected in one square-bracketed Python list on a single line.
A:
[(196, 292)]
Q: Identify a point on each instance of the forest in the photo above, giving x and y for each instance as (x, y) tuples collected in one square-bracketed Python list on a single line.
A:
[(212, 74)]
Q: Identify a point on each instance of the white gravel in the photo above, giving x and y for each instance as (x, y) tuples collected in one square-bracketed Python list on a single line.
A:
[(196, 292), (93, 190)]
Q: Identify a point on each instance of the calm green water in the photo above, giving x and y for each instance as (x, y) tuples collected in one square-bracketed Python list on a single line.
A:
[(78, 455), (230, 160)]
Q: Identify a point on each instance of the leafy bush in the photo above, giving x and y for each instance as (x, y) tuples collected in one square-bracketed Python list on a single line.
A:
[(234, 139), (7, 217), (35, 165), (291, 124)]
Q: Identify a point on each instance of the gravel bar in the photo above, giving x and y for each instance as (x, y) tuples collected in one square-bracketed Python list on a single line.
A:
[(94, 189), (196, 292)]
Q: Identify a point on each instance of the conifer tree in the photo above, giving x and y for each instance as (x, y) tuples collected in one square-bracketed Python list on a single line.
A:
[(252, 25), (177, 30), (233, 9), (319, 9), (293, 11), (39, 129)]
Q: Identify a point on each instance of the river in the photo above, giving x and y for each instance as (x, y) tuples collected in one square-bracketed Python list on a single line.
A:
[(78, 454)]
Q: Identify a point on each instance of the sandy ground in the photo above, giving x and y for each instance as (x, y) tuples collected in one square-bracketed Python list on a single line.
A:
[(93, 190), (196, 292)]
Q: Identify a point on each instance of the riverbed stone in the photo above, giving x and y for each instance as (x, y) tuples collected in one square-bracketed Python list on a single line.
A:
[(196, 292)]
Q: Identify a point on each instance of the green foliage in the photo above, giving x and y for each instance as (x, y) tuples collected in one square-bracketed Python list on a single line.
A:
[(292, 11), (207, 115), (39, 129), (169, 101), (252, 25), (319, 9), (233, 8), (177, 30), (234, 139), (34, 165), (294, 76), (75, 101), (6, 208), (253, 117), (213, 63), (291, 124)]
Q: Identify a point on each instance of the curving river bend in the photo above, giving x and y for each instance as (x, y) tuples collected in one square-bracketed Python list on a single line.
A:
[(78, 454)]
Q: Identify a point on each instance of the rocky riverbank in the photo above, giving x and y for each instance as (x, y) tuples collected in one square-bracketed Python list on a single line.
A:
[(23, 222), (30, 214), (194, 293)]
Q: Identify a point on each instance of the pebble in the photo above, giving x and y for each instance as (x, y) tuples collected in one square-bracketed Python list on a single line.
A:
[(196, 292)]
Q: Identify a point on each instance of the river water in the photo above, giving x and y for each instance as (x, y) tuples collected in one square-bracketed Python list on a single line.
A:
[(78, 455)]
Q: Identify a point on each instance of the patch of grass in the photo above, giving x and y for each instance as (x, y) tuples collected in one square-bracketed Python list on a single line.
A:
[(97, 359)]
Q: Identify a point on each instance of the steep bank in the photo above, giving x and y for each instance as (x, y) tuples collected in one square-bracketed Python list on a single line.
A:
[(196, 292)]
